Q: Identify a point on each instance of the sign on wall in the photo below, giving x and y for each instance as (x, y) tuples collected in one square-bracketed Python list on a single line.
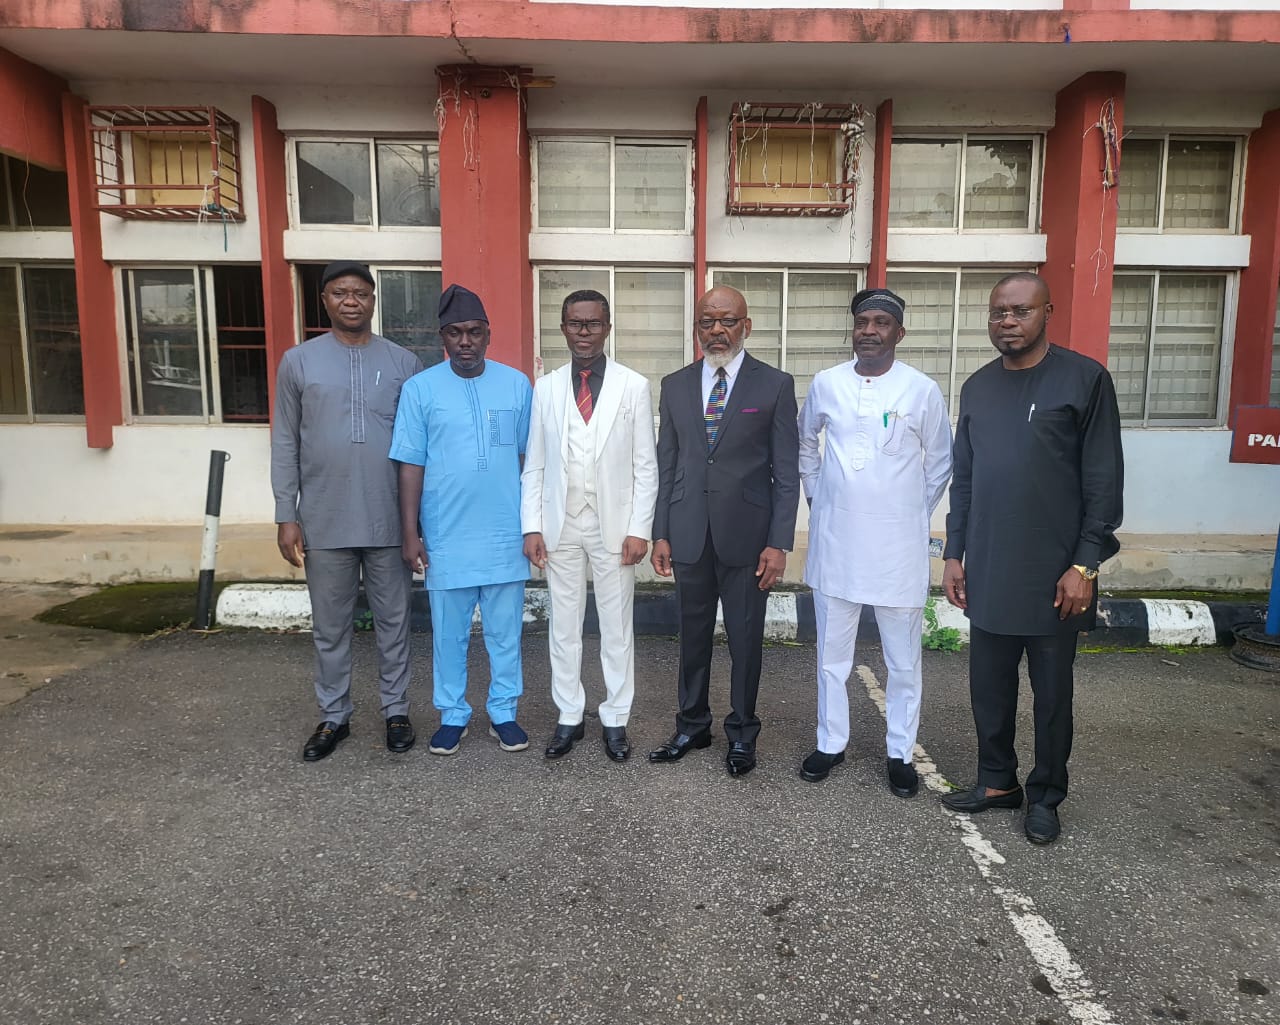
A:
[(1255, 438)]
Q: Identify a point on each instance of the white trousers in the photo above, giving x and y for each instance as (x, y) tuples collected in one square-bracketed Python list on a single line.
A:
[(615, 584), (837, 622)]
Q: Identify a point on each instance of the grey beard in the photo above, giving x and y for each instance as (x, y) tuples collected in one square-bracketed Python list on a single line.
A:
[(716, 362)]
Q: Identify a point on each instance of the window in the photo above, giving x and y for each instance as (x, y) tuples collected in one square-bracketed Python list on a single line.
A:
[(800, 319), (165, 163), (1178, 184), (793, 158), (40, 369), (613, 185), (946, 325), (993, 188), (651, 332), (197, 343), (379, 183), (31, 197), (1166, 345), (408, 301)]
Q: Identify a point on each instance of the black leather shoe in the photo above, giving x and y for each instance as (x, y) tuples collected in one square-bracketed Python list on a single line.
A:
[(562, 742), (976, 800), (326, 737), (1041, 824), (741, 758), (904, 781), (400, 735), (615, 743), (819, 764), (679, 746)]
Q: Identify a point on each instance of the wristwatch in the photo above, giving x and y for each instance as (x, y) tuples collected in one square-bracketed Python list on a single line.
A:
[(1086, 572)]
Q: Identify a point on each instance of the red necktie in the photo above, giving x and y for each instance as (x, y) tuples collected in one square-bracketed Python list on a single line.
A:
[(584, 396)]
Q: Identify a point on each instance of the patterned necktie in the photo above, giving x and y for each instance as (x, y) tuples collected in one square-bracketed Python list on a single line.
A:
[(715, 406), (584, 396)]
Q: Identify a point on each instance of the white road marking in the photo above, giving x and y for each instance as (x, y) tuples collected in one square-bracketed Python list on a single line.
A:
[(1050, 954)]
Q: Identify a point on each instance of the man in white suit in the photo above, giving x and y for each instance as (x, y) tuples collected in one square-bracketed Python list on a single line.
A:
[(588, 490)]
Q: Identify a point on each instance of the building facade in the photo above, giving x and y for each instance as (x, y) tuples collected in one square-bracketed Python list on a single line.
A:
[(173, 177)]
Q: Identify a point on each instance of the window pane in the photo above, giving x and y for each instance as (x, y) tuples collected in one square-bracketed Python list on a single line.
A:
[(242, 343), (408, 184), (650, 324), (1130, 341), (40, 198), (165, 343), (973, 340), (1187, 350), (315, 321), (6, 213), (930, 323), (13, 373), (651, 183), (408, 303), (1198, 193), (573, 184), (333, 183), (763, 292), (554, 283), (788, 165), (998, 183), (923, 180), (53, 332), (818, 323), (1139, 190), (1275, 361)]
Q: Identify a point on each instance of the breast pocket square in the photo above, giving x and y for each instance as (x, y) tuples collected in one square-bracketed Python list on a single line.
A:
[(751, 411)]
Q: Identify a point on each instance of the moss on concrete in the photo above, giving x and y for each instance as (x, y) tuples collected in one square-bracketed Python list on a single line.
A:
[(131, 608)]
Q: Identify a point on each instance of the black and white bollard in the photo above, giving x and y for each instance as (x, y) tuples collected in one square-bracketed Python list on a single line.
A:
[(209, 545)]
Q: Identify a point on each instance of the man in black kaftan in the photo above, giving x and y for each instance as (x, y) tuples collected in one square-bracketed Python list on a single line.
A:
[(1036, 498)]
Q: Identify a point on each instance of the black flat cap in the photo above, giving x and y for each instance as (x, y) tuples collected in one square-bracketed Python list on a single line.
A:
[(458, 304), (341, 268)]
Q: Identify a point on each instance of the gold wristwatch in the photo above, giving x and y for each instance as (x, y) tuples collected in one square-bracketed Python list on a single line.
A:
[(1086, 572)]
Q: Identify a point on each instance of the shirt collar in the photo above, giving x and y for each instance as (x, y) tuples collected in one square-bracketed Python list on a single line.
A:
[(596, 366), (731, 368)]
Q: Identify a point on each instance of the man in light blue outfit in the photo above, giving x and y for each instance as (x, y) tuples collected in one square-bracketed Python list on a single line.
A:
[(459, 438)]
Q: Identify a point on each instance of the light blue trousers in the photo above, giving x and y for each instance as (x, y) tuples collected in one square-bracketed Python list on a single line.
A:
[(502, 616)]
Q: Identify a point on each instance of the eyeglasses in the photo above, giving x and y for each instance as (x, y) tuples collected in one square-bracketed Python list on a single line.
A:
[(591, 326), (340, 295), (1016, 312), (728, 323)]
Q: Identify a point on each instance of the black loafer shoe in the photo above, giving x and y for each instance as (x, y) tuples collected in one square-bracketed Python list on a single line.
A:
[(615, 743), (976, 800), (326, 737), (400, 735), (1041, 824), (819, 764), (562, 742), (741, 758), (679, 746), (904, 781)]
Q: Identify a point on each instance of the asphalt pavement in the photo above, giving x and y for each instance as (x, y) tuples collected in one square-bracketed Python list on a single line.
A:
[(168, 858)]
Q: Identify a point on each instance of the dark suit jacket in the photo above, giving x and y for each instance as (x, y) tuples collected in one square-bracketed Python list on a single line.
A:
[(747, 487)]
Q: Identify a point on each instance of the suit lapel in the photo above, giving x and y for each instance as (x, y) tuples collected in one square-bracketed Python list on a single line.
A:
[(734, 404), (606, 410), (694, 382), (561, 402)]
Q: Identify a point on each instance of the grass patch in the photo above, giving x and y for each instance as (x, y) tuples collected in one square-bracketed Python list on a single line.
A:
[(131, 608)]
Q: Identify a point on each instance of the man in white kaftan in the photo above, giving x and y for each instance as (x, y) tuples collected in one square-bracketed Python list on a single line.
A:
[(886, 463)]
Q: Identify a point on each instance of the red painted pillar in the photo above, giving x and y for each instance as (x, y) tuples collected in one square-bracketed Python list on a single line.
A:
[(95, 288), (878, 268), (1079, 214), (700, 134), (485, 200), (273, 219), (1260, 281), (31, 112)]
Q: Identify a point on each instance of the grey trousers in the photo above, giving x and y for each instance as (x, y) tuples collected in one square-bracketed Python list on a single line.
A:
[(333, 580)]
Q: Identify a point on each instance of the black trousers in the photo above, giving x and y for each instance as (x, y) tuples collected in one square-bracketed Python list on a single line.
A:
[(993, 691), (698, 586)]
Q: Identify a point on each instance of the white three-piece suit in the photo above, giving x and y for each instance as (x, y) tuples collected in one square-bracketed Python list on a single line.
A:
[(585, 488), (886, 462)]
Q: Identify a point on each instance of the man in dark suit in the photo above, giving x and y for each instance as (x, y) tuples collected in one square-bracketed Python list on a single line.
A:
[(728, 488)]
